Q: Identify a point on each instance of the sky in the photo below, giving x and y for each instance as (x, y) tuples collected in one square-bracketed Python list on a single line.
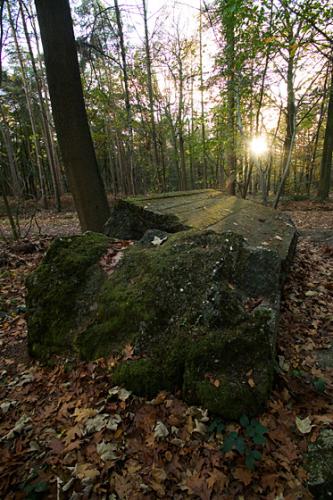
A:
[(161, 12)]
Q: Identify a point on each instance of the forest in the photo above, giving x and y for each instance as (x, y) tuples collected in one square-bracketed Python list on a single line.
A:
[(172, 109), (166, 249)]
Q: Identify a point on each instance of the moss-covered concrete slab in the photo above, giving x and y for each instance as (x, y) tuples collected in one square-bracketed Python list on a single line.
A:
[(203, 209), (199, 304)]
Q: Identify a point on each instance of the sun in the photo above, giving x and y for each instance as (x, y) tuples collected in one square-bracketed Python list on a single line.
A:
[(258, 145)]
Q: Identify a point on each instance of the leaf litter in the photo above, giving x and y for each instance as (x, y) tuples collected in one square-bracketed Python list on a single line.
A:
[(67, 432)]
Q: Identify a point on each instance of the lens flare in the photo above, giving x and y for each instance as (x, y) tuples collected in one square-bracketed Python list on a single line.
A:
[(259, 146)]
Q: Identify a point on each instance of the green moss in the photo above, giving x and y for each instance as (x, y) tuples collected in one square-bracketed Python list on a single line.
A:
[(54, 288), (141, 376), (163, 370), (177, 304), (228, 359), (165, 294)]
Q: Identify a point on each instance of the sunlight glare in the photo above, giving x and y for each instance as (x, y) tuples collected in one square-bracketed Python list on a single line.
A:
[(258, 145)]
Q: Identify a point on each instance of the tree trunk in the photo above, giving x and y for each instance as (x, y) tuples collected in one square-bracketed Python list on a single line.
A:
[(180, 127), (202, 102), (326, 161), (45, 125), (127, 96), (285, 170), (151, 98), (30, 110), (231, 157), (16, 182), (291, 110), (69, 113)]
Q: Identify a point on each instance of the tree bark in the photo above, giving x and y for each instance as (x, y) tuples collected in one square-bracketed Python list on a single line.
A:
[(231, 156), (69, 113), (44, 121), (30, 110), (151, 98), (127, 96), (326, 161), (202, 103)]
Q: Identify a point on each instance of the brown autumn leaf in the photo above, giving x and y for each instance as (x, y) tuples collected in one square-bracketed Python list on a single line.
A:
[(251, 382), (197, 485), (122, 485), (133, 466), (72, 433), (269, 481), (128, 352), (158, 477), (86, 471), (74, 445), (56, 445), (217, 481), (243, 475), (82, 414)]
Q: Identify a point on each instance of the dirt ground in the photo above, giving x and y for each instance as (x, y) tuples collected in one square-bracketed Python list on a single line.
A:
[(66, 432)]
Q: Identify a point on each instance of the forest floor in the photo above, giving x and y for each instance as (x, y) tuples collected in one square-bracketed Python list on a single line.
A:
[(66, 432)]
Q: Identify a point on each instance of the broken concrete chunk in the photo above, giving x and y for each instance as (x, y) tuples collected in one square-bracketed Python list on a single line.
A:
[(200, 309)]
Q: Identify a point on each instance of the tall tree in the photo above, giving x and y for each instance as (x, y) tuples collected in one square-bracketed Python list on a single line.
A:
[(127, 95), (229, 21), (69, 113), (326, 160), (151, 96)]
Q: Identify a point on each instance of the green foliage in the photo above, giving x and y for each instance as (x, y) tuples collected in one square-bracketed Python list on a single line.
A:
[(254, 430), (234, 441), (297, 373), (216, 425), (32, 488), (251, 458), (319, 384), (36, 490), (253, 435)]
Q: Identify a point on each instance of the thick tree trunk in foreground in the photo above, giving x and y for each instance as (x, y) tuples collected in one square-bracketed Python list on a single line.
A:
[(70, 118)]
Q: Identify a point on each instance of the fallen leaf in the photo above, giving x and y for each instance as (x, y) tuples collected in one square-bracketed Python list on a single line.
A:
[(160, 430), (21, 426), (108, 451), (102, 421), (122, 393), (199, 427), (304, 425), (86, 472), (283, 364), (128, 352), (82, 414), (269, 481), (243, 475), (251, 382), (72, 433), (158, 474), (217, 481), (158, 241), (6, 405)]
